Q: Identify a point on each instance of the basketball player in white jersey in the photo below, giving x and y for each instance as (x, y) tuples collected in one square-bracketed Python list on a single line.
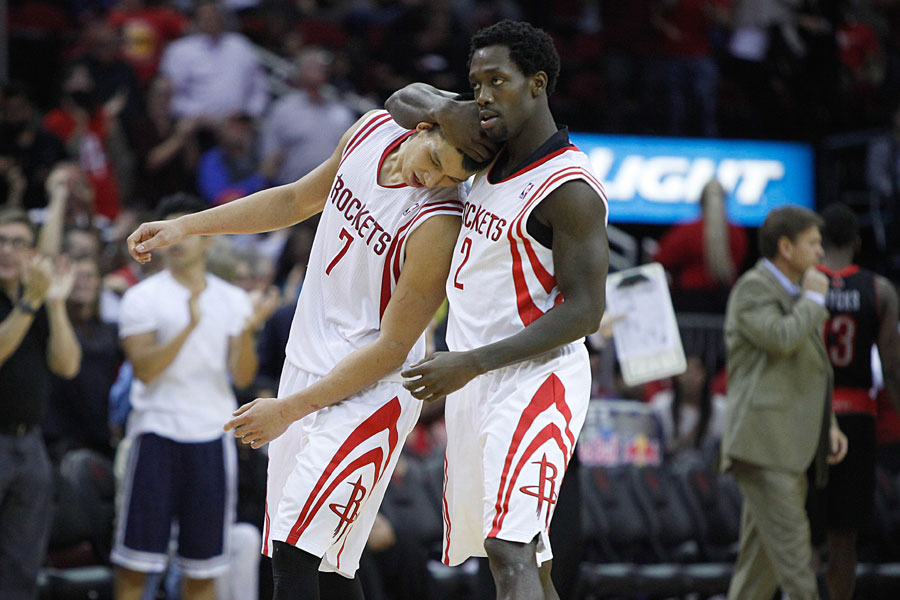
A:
[(381, 255), (526, 285)]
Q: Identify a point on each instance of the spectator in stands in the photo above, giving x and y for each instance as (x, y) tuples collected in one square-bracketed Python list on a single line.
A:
[(215, 73), (188, 335), (883, 174), (690, 74), (166, 147), (779, 405), (77, 415), (25, 146), (305, 124), (145, 31), (232, 168), (703, 257), (92, 134), (111, 74), (689, 411), (36, 339)]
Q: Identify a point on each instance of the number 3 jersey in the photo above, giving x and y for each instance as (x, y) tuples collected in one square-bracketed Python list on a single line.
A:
[(359, 250), (850, 333), (502, 278)]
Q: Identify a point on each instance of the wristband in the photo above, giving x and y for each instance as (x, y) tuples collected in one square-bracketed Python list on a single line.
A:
[(26, 308)]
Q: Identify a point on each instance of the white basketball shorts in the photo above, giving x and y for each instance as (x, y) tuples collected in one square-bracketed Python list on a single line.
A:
[(328, 471), (510, 435)]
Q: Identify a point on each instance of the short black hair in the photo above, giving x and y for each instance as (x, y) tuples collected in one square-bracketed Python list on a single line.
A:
[(468, 163), (841, 229), (179, 203), (530, 48), (14, 214), (787, 221)]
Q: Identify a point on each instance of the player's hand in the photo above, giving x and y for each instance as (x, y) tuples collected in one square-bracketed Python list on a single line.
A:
[(259, 422), (150, 236), (461, 127), (815, 281), (440, 374), (839, 445)]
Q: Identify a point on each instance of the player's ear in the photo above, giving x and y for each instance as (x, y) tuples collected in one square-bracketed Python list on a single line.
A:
[(538, 83), (424, 126)]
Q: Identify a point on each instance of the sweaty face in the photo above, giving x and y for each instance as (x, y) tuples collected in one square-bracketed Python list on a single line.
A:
[(431, 162), (501, 90), (806, 251)]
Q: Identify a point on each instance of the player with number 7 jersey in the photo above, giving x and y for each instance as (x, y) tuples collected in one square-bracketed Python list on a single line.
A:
[(391, 203)]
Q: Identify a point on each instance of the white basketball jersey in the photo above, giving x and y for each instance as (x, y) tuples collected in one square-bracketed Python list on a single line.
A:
[(359, 250), (501, 278)]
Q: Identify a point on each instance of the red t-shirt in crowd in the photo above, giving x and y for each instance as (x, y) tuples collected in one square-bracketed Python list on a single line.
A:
[(681, 254), (91, 157), (145, 34)]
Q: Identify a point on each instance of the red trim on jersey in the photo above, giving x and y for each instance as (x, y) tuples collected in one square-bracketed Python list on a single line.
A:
[(551, 393), (363, 132), (533, 165), (853, 400), (445, 512), (391, 147), (266, 527), (845, 272), (528, 310), (383, 419), (392, 259)]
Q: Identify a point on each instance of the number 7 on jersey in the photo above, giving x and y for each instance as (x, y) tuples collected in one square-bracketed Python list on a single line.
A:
[(348, 239)]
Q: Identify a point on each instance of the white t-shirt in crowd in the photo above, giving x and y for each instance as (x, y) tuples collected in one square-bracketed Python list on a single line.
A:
[(192, 398)]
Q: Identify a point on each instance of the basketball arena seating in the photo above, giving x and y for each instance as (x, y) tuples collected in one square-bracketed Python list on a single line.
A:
[(664, 530)]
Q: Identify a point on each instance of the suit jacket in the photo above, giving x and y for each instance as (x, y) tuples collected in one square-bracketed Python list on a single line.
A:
[(779, 377)]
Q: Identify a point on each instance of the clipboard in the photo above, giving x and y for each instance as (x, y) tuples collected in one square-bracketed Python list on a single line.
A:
[(647, 341)]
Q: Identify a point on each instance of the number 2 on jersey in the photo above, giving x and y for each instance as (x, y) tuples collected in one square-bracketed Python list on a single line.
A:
[(348, 239), (466, 248)]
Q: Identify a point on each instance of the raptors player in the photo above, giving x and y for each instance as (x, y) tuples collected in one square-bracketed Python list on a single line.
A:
[(526, 285), (863, 309), (375, 279)]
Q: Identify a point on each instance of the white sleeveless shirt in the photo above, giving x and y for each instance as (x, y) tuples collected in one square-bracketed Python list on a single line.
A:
[(502, 278), (359, 250)]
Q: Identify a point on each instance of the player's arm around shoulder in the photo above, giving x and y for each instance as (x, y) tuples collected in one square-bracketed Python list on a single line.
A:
[(577, 216)]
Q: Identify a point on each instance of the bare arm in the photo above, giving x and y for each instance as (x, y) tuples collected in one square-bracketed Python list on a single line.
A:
[(266, 210), (63, 349), (580, 261), (459, 119), (243, 360), (36, 276), (888, 341), (148, 356), (419, 293)]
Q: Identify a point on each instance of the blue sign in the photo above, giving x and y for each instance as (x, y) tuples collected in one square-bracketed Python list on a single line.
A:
[(659, 180)]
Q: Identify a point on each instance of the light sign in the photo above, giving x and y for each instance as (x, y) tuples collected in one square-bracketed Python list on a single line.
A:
[(659, 180)]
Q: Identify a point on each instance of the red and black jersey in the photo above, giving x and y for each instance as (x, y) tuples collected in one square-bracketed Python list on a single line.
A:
[(853, 327)]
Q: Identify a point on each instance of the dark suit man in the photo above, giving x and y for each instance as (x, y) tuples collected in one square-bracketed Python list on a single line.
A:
[(779, 413)]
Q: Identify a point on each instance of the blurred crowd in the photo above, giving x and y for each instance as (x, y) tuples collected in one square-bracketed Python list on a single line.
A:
[(111, 106)]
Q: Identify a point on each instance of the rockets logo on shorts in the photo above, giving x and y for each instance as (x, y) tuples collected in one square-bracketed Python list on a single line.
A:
[(347, 462), (348, 512), (557, 436), (545, 490)]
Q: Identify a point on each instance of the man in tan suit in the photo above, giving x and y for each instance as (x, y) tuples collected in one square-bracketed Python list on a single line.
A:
[(779, 405)]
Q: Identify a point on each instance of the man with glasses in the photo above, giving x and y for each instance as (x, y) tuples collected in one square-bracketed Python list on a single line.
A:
[(36, 339)]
